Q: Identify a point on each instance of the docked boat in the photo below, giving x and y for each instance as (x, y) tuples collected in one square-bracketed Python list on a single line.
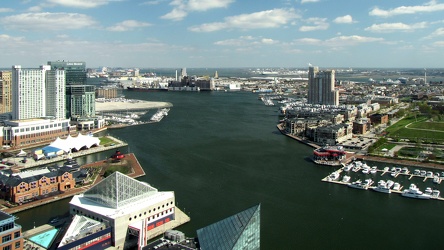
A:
[(405, 170), (414, 192), (356, 168), (396, 186), (423, 173), (368, 182), (357, 184), (346, 178), (429, 174), (333, 176), (160, 114), (435, 193), (390, 183), (374, 170), (428, 191), (417, 172), (366, 170), (347, 167), (382, 187), (436, 179), (386, 169)]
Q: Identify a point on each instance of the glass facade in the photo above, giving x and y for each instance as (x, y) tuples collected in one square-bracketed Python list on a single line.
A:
[(80, 101), (75, 71), (240, 231)]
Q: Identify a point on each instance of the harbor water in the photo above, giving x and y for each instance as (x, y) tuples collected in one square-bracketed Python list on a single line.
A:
[(221, 153)]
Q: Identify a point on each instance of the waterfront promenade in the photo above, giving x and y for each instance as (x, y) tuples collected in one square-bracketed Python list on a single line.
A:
[(130, 160)]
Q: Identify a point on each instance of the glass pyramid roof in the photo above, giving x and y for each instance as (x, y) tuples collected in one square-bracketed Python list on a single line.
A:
[(118, 190), (240, 231)]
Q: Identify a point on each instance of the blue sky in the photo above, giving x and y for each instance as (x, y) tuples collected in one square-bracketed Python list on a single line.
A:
[(223, 33)]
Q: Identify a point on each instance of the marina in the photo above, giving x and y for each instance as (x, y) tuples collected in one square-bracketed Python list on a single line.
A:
[(371, 178)]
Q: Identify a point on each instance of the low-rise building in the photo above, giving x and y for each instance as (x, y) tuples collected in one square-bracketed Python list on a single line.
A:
[(10, 233)]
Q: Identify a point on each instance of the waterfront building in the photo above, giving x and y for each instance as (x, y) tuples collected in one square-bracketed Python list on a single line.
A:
[(80, 101), (127, 213), (10, 232), (321, 87), (38, 92), (5, 92), (240, 231), (29, 185), (333, 134), (75, 71)]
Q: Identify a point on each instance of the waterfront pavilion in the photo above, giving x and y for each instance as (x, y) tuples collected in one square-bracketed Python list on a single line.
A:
[(134, 211)]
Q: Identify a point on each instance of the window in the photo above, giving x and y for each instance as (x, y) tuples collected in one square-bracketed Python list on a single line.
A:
[(17, 234), (7, 247), (6, 238), (17, 245)]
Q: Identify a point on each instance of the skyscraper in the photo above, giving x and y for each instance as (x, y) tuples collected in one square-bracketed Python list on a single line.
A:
[(38, 92), (80, 98), (321, 87), (5, 92)]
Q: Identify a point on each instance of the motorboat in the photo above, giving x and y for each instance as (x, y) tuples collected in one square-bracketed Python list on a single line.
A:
[(347, 167), (390, 183), (423, 173), (405, 170), (414, 192), (396, 186), (333, 176), (357, 184), (435, 193), (368, 182), (429, 174), (417, 172), (428, 191), (436, 179), (374, 170), (366, 171), (386, 169), (356, 168), (346, 178), (382, 187)]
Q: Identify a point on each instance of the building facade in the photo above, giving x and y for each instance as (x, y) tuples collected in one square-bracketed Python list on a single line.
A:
[(37, 92), (80, 101), (5, 92), (321, 87), (10, 233), (75, 71)]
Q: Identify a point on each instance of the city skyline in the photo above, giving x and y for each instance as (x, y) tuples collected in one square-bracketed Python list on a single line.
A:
[(223, 33)]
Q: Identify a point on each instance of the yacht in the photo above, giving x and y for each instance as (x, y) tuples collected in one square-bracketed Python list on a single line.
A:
[(435, 193), (396, 186), (374, 170), (422, 173), (346, 178), (366, 171), (436, 179), (428, 191), (414, 192), (382, 187), (390, 183), (405, 170), (417, 172), (429, 174), (357, 184), (347, 167), (333, 176), (368, 182)]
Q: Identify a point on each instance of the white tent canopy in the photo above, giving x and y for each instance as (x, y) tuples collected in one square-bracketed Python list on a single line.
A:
[(75, 143)]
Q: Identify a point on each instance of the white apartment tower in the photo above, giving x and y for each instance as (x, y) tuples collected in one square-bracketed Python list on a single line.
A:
[(38, 92)]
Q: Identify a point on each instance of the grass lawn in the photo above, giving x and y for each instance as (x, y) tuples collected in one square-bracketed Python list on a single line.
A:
[(106, 141), (419, 129), (409, 152), (388, 146)]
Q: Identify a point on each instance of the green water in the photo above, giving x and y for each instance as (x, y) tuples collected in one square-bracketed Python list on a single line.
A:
[(221, 153)]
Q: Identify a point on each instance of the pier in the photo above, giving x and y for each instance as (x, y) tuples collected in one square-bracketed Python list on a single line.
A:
[(410, 176)]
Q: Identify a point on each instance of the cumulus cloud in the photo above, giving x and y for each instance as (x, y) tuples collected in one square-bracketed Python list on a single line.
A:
[(246, 41), (182, 7), (309, 1), (344, 19), (3, 10), (80, 3), (392, 27), (317, 24), (431, 6), (128, 25), (338, 41), (257, 20), (47, 21), (439, 44)]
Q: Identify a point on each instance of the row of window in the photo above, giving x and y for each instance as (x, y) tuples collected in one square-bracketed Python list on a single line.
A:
[(8, 247), (154, 210)]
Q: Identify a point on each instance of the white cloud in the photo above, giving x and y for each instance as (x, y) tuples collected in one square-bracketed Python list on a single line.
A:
[(309, 1), (182, 7), (3, 10), (318, 24), (246, 41), (257, 20), (47, 21), (128, 25), (80, 3), (431, 6), (392, 27), (344, 19), (338, 41), (437, 32), (439, 44)]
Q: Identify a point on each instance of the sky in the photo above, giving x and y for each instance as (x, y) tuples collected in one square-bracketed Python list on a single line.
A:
[(223, 33)]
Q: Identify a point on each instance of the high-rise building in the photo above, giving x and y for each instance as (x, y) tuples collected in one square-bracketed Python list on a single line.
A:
[(75, 71), (5, 92), (38, 92), (80, 98), (321, 87), (10, 232), (80, 101)]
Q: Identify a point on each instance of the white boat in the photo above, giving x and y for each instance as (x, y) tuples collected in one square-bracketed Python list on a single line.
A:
[(405, 170), (428, 191), (333, 176), (382, 187), (417, 172), (347, 167), (366, 171), (423, 173), (374, 170), (429, 174), (357, 184), (414, 192), (396, 186), (386, 169), (435, 193), (368, 182), (356, 168), (346, 178), (390, 183), (436, 179)]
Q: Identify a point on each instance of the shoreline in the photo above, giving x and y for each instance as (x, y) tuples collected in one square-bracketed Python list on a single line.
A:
[(395, 161), (137, 171)]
